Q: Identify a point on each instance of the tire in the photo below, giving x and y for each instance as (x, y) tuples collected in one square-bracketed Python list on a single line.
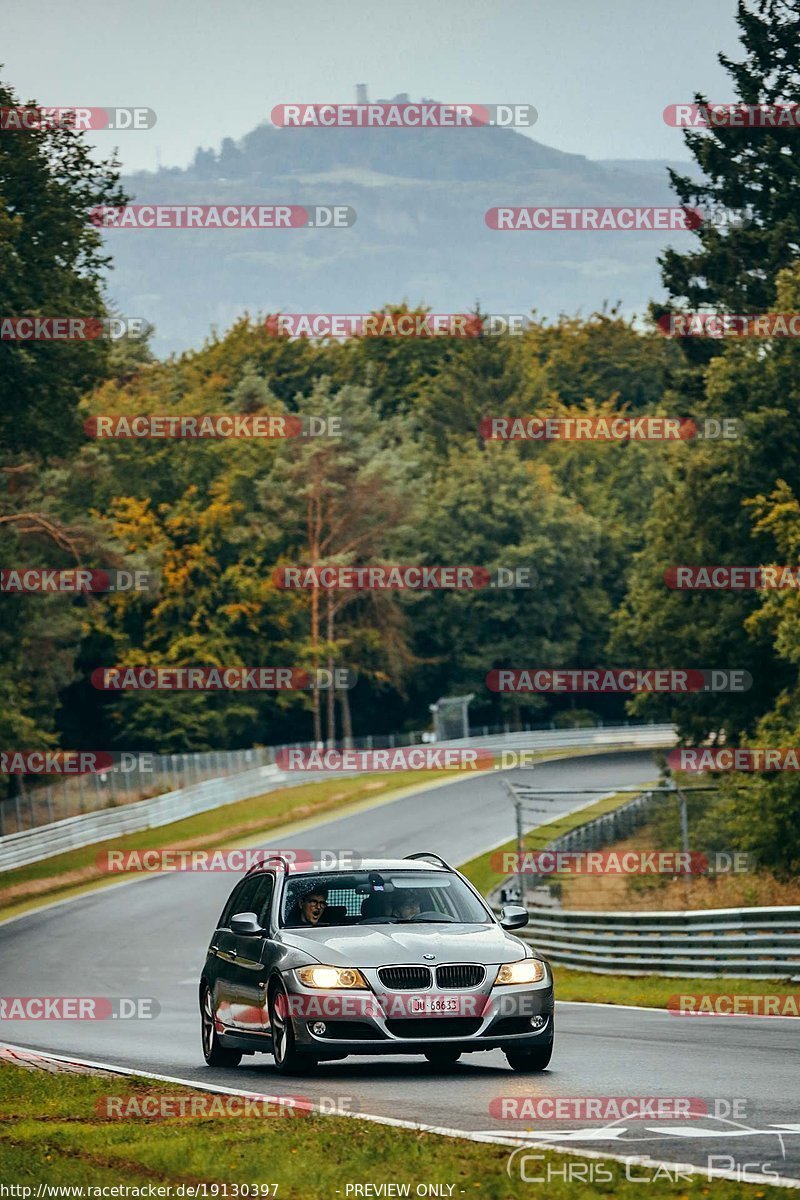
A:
[(214, 1054), (530, 1060), (288, 1061), (444, 1057)]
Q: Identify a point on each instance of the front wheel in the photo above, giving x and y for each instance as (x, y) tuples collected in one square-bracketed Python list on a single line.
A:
[(530, 1060), (444, 1057), (284, 1047), (214, 1054)]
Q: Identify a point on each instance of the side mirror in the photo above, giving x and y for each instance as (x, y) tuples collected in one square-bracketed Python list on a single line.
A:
[(246, 924), (513, 916)]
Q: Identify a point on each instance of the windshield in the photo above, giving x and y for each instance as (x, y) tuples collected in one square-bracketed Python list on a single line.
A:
[(389, 897)]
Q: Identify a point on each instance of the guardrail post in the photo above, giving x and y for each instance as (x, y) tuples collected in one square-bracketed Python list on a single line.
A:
[(520, 850), (684, 821)]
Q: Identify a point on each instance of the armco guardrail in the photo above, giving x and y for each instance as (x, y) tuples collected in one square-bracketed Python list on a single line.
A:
[(554, 739), (31, 845), (762, 943), (142, 776), (19, 849)]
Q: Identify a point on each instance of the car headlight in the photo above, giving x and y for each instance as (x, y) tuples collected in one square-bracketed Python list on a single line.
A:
[(332, 977), (526, 970)]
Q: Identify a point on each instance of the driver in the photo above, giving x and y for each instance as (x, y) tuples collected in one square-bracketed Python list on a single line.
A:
[(406, 906), (309, 906)]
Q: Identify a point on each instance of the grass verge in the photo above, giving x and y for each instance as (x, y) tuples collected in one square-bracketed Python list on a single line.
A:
[(51, 1133), (654, 991)]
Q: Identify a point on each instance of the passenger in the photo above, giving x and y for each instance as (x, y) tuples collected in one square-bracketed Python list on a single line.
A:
[(406, 906), (309, 906), (376, 905)]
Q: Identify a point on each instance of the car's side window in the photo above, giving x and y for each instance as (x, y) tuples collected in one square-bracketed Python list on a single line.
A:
[(240, 901), (262, 900), (229, 907)]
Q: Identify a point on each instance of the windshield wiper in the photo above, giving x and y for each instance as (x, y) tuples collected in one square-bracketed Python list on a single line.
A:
[(423, 918)]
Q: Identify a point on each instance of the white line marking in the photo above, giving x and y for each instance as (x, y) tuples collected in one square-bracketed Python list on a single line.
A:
[(667, 1012)]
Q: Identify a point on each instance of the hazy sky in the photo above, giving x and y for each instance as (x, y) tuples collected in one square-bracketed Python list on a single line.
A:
[(599, 72)]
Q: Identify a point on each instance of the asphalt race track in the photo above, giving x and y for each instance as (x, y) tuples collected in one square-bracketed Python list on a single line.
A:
[(148, 939)]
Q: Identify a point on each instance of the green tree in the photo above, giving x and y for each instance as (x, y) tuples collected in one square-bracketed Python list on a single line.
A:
[(489, 508), (345, 501), (702, 515), (752, 169), (51, 265)]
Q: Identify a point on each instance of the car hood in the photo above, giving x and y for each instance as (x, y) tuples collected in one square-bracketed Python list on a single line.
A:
[(384, 945)]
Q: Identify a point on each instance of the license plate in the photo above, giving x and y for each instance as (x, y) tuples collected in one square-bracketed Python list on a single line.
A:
[(432, 1005)]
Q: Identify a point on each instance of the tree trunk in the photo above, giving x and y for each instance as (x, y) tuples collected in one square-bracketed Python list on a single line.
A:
[(313, 546), (330, 695), (347, 719)]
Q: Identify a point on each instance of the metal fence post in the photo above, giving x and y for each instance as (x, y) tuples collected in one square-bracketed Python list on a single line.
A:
[(684, 821), (520, 850)]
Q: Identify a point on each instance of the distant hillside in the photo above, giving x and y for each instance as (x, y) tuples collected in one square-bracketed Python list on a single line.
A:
[(420, 233), (649, 166)]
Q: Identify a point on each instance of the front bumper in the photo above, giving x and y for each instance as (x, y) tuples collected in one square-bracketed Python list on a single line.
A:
[(379, 1022)]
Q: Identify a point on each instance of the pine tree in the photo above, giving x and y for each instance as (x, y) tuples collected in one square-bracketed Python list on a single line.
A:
[(756, 170)]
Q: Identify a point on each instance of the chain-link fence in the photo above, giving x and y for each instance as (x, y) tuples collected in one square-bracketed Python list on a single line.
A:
[(139, 776)]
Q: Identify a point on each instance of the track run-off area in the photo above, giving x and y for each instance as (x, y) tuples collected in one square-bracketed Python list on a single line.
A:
[(148, 938)]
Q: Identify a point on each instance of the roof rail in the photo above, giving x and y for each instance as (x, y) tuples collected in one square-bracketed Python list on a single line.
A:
[(430, 854), (270, 859)]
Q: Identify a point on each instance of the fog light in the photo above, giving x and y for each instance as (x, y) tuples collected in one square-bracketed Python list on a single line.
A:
[(319, 1028), (538, 1022)]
